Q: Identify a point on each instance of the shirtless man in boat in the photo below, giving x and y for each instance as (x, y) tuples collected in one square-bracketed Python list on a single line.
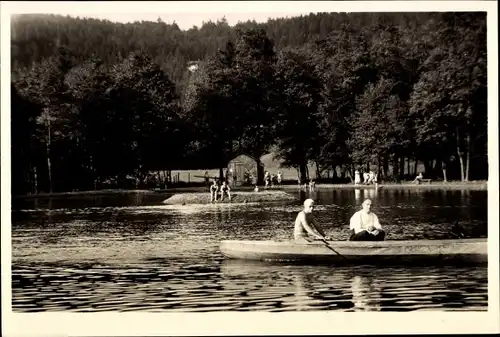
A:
[(365, 226), (306, 229)]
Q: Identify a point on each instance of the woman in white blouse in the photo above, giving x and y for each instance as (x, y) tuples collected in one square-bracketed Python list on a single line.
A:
[(365, 225)]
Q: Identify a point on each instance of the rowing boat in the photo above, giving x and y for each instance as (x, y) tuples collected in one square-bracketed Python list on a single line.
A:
[(356, 252)]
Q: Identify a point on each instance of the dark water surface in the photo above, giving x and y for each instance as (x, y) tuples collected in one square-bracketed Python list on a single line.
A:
[(127, 253)]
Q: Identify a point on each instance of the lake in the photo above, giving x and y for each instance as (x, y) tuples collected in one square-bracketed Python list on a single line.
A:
[(131, 252)]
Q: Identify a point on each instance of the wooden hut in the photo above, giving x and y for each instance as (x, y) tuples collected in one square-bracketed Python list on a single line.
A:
[(241, 166)]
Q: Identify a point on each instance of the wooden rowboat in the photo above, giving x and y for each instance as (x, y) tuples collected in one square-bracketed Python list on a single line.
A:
[(355, 252)]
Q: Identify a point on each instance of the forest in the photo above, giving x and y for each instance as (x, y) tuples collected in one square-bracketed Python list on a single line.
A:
[(96, 104)]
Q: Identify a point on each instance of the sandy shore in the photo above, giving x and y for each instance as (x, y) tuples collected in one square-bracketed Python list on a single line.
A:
[(236, 197)]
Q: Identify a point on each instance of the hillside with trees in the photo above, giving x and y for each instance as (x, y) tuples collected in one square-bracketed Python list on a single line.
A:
[(97, 103)]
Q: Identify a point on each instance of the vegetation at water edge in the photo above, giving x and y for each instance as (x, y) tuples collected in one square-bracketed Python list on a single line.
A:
[(97, 103)]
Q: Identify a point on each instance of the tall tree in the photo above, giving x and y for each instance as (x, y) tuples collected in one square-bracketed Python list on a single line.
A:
[(231, 97), (444, 101), (146, 107), (297, 125), (256, 92), (45, 86), (377, 127), (210, 107), (88, 85), (345, 68), (25, 153)]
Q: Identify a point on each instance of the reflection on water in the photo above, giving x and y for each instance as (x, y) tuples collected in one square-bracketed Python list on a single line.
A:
[(363, 193), (365, 288), (357, 194), (233, 285), (142, 255), (365, 295)]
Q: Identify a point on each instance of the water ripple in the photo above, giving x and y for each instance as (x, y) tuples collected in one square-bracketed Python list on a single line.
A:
[(153, 257), (234, 285)]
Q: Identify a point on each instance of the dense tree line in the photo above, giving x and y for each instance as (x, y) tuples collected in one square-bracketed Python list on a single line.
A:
[(97, 102)]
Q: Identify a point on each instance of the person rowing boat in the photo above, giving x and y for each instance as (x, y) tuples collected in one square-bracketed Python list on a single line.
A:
[(365, 226), (306, 229)]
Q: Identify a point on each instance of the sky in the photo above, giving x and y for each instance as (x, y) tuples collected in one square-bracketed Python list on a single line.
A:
[(188, 20), (190, 13), (186, 14)]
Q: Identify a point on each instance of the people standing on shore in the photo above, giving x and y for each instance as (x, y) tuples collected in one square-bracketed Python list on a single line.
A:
[(267, 179), (366, 176), (253, 178), (357, 178), (371, 178), (280, 178), (364, 225)]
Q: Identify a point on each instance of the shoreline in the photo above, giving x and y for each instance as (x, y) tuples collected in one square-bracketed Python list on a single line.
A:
[(481, 185), (460, 185)]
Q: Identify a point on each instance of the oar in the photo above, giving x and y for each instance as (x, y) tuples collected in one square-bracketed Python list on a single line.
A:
[(333, 249)]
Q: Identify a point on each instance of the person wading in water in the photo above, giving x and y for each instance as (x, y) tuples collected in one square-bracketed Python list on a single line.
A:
[(365, 226)]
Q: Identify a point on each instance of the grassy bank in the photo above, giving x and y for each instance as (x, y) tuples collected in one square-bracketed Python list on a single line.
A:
[(438, 185)]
